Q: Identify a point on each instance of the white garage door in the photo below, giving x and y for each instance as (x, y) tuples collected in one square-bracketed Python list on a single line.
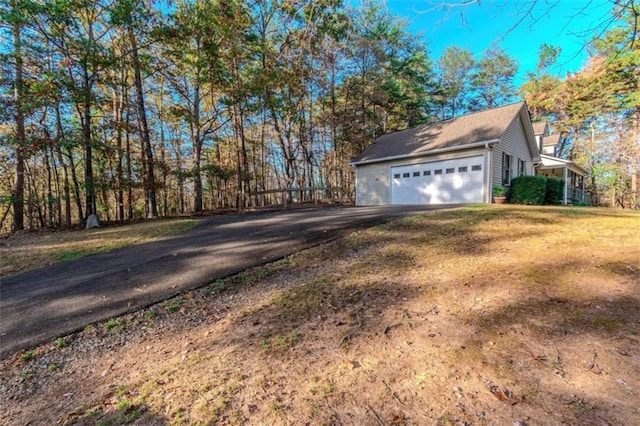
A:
[(439, 182)]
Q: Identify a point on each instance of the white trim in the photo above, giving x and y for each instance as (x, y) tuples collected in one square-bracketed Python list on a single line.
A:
[(565, 173), (428, 153)]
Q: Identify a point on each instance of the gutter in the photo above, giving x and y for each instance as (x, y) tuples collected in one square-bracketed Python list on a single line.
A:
[(424, 153)]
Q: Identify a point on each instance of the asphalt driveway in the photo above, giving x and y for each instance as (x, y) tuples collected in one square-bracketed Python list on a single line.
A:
[(40, 305)]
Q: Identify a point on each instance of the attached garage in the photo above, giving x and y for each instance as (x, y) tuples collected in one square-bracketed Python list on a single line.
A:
[(455, 161), (439, 182)]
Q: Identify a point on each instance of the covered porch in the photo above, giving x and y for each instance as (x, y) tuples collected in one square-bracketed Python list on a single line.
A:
[(572, 175)]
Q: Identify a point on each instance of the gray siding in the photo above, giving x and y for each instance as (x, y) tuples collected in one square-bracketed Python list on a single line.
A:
[(513, 142), (373, 180), (372, 184)]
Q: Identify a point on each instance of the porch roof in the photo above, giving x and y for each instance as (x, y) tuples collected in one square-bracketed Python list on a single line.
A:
[(549, 162)]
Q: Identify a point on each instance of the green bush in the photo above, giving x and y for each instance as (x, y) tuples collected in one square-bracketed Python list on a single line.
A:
[(536, 190), (555, 191), (528, 190)]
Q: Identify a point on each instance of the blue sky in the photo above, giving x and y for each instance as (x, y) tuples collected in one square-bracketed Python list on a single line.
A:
[(563, 23)]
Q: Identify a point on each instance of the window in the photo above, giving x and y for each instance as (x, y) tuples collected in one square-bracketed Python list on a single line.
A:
[(405, 175), (437, 172), (476, 168), (426, 173), (396, 176), (451, 170), (522, 167), (416, 174), (462, 169), (506, 169)]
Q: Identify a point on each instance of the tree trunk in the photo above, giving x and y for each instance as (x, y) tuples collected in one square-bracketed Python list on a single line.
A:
[(180, 176), (90, 198), (76, 184), (117, 116), (18, 182), (165, 198), (150, 182), (635, 160), (48, 184), (197, 150), (56, 172), (66, 187), (128, 162)]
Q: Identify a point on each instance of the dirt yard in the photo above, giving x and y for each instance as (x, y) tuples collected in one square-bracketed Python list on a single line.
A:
[(496, 315)]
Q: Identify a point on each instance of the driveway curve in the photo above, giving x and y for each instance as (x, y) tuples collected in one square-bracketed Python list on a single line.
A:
[(40, 305)]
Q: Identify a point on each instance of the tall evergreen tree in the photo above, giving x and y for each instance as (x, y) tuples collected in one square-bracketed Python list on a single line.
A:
[(455, 68), (493, 80)]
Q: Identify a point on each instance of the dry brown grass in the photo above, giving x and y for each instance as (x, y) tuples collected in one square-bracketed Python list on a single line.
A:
[(23, 251), (478, 315)]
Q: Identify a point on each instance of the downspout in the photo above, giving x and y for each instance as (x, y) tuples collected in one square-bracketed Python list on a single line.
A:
[(535, 168), (565, 176), (489, 171)]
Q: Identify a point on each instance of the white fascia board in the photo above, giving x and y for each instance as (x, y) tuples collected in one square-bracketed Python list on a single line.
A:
[(427, 153)]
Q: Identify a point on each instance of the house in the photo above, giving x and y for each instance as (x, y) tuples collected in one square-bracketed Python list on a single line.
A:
[(448, 162), (552, 165)]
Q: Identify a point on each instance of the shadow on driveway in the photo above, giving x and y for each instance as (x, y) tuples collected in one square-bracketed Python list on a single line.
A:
[(38, 306)]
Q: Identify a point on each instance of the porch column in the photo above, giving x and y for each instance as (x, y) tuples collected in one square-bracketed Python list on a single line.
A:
[(565, 175)]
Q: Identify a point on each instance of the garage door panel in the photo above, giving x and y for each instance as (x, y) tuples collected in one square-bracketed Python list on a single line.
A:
[(441, 182)]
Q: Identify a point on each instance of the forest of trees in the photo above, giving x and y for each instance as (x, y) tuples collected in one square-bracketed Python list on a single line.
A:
[(127, 108)]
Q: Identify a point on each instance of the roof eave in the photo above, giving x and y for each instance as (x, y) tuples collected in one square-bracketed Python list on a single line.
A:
[(426, 153)]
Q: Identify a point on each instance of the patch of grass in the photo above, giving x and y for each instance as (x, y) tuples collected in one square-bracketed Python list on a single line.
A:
[(265, 343), (174, 305), (122, 390), (60, 342), (123, 404), (26, 356), (206, 292), (71, 255), (94, 412), (329, 387), (112, 323), (53, 367), (150, 314), (608, 323), (255, 275), (27, 374), (276, 408), (280, 341), (127, 413)]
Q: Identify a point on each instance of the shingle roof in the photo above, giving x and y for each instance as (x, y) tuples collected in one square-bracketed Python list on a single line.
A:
[(481, 126), (538, 127), (551, 140)]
